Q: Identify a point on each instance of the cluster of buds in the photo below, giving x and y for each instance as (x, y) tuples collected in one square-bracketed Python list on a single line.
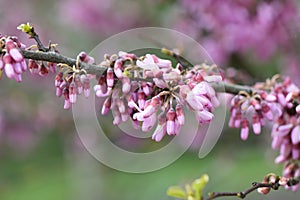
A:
[(289, 180), (41, 68), (291, 170), (281, 105), (247, 109), (11, 59), (72, 83), (149, 89), (286, 127)]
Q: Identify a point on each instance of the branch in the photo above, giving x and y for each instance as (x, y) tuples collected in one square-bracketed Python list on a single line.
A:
[(96, 69), (255, 186), (58, 58), (243, 194), (231, 88)]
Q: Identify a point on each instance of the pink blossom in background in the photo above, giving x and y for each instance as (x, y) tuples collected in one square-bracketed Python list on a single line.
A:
[(264, 28), (101, 17)]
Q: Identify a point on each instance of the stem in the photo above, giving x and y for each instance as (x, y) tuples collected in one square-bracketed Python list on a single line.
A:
[(243, 194), (231, 88), (255, 186), (40, 45), (96, 69), (58, 58)]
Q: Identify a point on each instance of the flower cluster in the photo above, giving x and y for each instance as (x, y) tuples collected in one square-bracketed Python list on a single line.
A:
[(11, 59), (277, 181), (291, 170), (220, 32), (279, 105), (286, 127), (156, 91), (252, 109), (72, 82)]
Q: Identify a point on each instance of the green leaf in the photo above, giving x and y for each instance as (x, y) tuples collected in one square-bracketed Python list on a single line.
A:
[(177, 192), (26, 28), (200, 183)]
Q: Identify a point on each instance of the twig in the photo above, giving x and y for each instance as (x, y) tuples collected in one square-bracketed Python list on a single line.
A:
[(255, 186), (243, 194), (58, 58), (96, 69)]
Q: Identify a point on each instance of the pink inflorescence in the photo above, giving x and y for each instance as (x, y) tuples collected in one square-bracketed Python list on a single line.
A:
[(148, 89), (73, 83), (11, 59), (252, 110), (281, 106), (220, 32)]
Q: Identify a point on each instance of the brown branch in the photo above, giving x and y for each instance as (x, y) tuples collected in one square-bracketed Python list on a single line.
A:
[(255, 186), (96, 69), (58, 58), (232, 88)]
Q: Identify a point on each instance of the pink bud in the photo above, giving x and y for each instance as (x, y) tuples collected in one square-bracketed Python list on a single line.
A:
[(285, 149), (106, 106), (86, 86), (9, 70), (180, 115), (10, 45), (204, 116), (118, 68), (18, 78), (177, 127), (121, 106), (159, 132), (237, 119), (33, 67), (295, 135), (283, 130), (256, 125), (245, 129), (255, 104), (267, 111), (171, 121), (276, 142), (43, 70), (279, 159), (161, 128), (146, 89), (126, 86), (194, 102), (281, 99), (124, 117), (296, 152), (141, 99), (152, 107), (263, 190), (72, 93), (58, 91), (148, 123), (16, 55), (67, 104), (110, 78), (117, 117), (78, 84), (18, 68), (7, 59)]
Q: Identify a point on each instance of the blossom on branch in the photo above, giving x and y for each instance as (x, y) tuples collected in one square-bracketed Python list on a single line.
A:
[(148, 89)]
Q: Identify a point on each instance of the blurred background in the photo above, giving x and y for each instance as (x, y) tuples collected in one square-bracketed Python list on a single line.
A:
[(41, 156)]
